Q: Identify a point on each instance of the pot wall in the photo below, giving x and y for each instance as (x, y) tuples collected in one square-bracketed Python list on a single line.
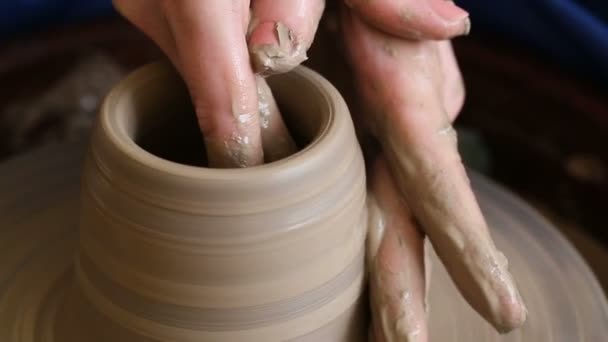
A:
[(170, 251)]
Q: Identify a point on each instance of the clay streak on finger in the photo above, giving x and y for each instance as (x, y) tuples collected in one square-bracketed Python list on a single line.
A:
[(269, 58), (414, 130), (396, 256)]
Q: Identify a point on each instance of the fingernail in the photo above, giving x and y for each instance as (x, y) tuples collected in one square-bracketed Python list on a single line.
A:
[(453, 15), (263, 33), (467, 27), (514, 316), (449, 11), (273, 48)]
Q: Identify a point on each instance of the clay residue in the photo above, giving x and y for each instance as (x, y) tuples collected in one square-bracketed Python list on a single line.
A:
[(239, 149), (448, 129), (394, 296), (375, 230), (456, 228), (276, 139), (406, 15), (270, 59), (235, 151), (389, 49)]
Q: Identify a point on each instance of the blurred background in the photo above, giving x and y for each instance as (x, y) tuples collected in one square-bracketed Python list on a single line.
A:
[(535, 118)]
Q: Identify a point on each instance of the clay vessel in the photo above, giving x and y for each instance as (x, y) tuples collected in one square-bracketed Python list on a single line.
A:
[(171, 250)]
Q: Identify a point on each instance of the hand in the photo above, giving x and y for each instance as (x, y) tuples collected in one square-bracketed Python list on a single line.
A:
[(211, 44), (411, 91)]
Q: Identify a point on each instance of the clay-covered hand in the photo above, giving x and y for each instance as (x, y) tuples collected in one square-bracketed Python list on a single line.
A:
[(410, 91), (212, 44)]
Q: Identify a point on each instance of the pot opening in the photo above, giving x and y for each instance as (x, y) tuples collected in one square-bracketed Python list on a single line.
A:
[(166, 125)]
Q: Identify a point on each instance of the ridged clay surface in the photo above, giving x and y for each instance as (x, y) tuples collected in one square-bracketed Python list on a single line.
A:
[(155, 276), (38, 237)]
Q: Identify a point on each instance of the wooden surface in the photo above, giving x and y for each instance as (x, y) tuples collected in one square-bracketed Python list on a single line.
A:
[(39, 210)]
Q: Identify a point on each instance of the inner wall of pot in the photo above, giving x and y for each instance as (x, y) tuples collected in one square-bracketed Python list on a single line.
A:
[(166, 126)]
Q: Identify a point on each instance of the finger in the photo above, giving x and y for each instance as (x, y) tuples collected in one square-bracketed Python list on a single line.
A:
[(212, 53), (397, 280), (414, 19), (453, 85), (276, 139), (281, 32), (399, 81)]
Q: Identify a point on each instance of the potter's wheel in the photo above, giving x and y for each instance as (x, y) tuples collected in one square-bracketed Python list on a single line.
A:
[(38, 216)]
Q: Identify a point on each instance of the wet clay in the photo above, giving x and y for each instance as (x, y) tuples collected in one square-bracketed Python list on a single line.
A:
[(276, 139), (401, 91), (237, 150), (176, 252), (268, 59), (463, 243), (39, 236), (396, 261)]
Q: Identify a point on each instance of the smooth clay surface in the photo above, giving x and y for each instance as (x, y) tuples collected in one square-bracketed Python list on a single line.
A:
[(176, 252)]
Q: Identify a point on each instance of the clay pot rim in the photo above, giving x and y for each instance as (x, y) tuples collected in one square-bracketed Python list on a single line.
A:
[(313, 154)]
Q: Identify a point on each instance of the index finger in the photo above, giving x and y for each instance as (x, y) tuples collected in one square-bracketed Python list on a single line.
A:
[(214, 61)]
